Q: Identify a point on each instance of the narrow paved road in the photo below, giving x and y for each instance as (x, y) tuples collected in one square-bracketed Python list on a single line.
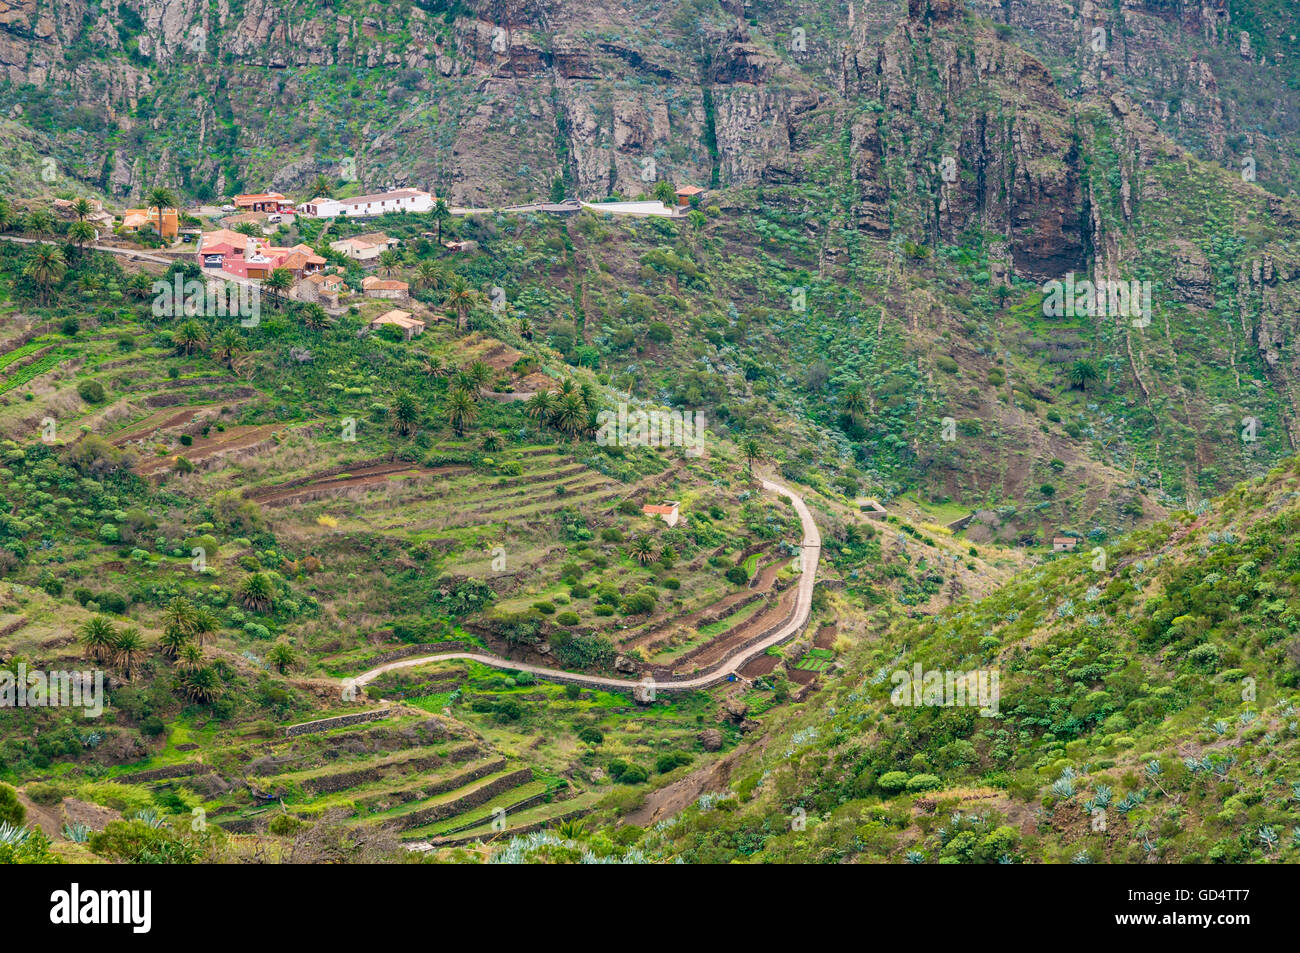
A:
[(132, 253), (803, 607)]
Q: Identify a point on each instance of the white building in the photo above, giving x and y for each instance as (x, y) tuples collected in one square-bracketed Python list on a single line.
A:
[(361, 206)]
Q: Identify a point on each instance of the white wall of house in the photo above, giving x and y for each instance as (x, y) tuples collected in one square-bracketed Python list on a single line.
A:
[(376, 205)]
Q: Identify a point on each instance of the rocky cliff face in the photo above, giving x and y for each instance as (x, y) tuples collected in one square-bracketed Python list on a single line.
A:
[(611, 95)]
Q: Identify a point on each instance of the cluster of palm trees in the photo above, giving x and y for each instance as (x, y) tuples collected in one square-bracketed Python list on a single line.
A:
[(571, 410), (106, 642), (226, 345)]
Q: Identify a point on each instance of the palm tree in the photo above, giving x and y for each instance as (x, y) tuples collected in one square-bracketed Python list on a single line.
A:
[(322, 187), (139, 285), (81, 233), (174, 641), (590, 396), (1081, 373), (665, 192), (98, 637), (752, 451), (127, 645), (466, 384), (571, 415), (854, 401), (461, 298), (161, 198), (205, 623), (313, 316), (46, 268), (440, 214), (251, 229), (405, 414), (81, 208), (433, 366), (428, 275), (256, 593), (180, 615), (282, 657), (479, 373), (540, 406), (643, 550), (228, 345), (190, 657), (40, 222), (525, 329), (189, 337), (277, 282), (461, 411), (7, 216), (388, 260), (201, 684)]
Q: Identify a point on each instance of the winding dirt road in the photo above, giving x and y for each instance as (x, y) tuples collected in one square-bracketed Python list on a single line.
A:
[(803, 606)]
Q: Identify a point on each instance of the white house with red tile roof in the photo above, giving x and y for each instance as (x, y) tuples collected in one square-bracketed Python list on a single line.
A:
[(666, 511)]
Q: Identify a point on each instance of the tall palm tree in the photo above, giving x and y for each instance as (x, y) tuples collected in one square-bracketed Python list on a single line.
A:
[(388, 260), (525, 329), (229, 344), (461, 298), (98, 637), (541, 406), (81, 208), (752, 451), (161, 198), (46, 268), (127, 645), (189, 337), (433, 366), (7, 216), (461, 410), (665, 192), (441, 213), (277, 282), (322, 187), (81, 233)]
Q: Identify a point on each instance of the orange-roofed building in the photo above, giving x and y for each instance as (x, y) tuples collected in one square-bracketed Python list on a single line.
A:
[(262, 202), (134, 219), (666, 511), (686, 193)]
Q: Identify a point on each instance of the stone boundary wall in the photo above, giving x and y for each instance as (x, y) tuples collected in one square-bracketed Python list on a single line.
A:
[(338, 721)]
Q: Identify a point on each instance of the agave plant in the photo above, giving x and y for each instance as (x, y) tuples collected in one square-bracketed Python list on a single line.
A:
[(1102, 795), (1246, 717), (1295, 837), (1063, 787), (150, 817), (77, 833), (12, 835), (1268, 837), (915, 857), (1192, 765), (1006, 859), (1154, 770), (1081, 858)]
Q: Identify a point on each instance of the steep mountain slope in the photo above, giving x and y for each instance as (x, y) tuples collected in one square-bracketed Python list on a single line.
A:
[(1147, 713)]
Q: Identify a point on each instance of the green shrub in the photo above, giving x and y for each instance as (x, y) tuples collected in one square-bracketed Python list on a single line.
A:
[(892, 781), (567, 618), (11, 810), (45, 793), (591, 735), (923, 782), (92, 392), (634, 774), (668, 761)]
